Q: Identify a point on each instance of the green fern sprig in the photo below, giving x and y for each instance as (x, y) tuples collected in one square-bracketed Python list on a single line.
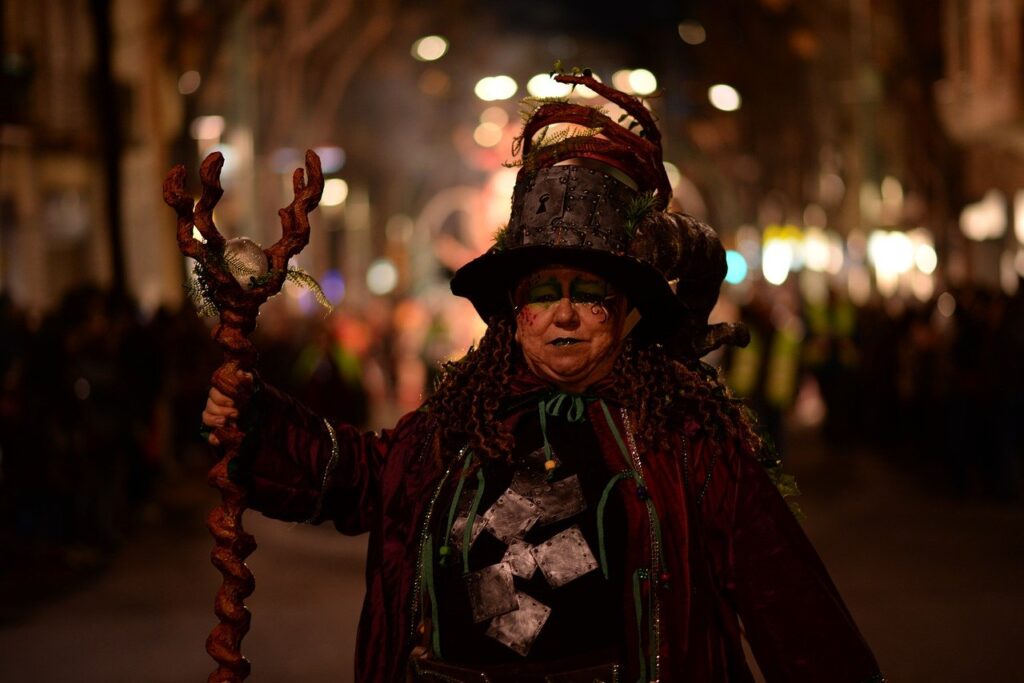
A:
[(638, 208), (237, 266), (303, 279), (199, 293), (198, 289), (528, 106), (566, 138), (786, 484), (501, 238)]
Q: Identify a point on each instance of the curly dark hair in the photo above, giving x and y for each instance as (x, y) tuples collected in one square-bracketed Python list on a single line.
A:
[(662, 391), (470, 391)]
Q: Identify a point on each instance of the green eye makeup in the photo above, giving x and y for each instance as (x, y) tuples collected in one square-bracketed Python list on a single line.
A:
[(545, 293), (588, 291)]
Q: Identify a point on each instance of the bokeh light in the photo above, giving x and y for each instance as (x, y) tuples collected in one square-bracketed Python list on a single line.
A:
[(724, 97), (922, 285), (333, 285), (189, 82), (381, 277), (332, 159), (620, 79), (946, 304), (585, 92), (985, 219), (925, 258), (496, 115), (642, 82), (736, 267), (429, 48), (493, 88), (816, 249), (672, 171), (335, 192), (285, 159), (543, 85), (487, 134), (776, 261), (692, 33), (207, 127), (1018, 215)]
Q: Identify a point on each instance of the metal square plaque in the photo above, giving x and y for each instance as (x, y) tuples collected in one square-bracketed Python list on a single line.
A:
[(520, 558), (511, 516), (564, 557), (491, 592), (529, 483), (517, 630), (560, 500), (459, 526)]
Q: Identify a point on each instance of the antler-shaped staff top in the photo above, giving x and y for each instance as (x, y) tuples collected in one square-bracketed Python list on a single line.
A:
[(307, 187)]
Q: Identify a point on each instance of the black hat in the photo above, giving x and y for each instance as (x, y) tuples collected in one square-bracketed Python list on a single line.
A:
[(595, 198), (583, 201)]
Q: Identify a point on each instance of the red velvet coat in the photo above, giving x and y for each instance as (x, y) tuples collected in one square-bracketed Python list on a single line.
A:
[(739, 555)]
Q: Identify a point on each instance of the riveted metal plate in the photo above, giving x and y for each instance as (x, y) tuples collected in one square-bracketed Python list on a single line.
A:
[(511, 516), (519, 629), (560, 500), (459, 526), (491, 592), (520, 557), (564, 557)]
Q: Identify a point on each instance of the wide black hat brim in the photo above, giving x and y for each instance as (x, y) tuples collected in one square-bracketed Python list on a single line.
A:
[(488, 280)]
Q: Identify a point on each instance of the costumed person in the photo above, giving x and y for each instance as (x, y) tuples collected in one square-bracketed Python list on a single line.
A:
[(580, 499)]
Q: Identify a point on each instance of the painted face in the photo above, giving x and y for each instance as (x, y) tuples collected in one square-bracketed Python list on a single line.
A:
[(569, 324)]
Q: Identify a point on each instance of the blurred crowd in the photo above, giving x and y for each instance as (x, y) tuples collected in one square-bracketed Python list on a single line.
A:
[(99, 404), (938, 386), (93, 400)]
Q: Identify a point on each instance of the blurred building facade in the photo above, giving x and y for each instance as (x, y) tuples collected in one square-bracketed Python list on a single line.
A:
[(857, 117), (86, 125)]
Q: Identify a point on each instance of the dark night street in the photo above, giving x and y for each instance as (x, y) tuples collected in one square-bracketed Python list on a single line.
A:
[(932, 581)]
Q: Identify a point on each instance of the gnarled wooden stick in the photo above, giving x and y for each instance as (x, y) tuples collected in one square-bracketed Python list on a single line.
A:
[(238, 308)]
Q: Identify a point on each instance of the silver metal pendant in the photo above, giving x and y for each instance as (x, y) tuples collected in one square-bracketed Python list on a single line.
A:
[(519, 629), (459, 527), (556, 500), (491, 592), (520, 557), (511, 516), (529, 482), (564, 557), (560, 500)]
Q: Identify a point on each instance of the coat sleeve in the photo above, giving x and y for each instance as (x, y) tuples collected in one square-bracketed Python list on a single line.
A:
[(797, 625), (298, 467)]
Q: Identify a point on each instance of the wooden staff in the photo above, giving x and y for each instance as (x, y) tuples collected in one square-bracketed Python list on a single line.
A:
[(238, 306)]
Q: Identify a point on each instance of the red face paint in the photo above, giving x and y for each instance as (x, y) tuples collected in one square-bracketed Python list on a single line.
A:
[(569, 326)]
